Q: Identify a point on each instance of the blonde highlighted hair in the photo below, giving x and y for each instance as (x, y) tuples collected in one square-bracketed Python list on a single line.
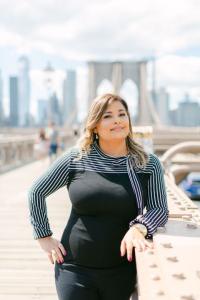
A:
[(98, 107)]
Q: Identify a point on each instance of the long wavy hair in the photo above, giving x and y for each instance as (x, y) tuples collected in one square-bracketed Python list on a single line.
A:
[(98, 107)]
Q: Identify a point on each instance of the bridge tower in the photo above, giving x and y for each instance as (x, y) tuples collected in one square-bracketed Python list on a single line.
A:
[(117, 72)]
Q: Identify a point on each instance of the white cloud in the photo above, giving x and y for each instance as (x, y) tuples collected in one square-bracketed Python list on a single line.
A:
[(178, 71), (109, 29), (102, 29)]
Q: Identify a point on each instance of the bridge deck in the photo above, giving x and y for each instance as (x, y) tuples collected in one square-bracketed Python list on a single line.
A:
[(25, 271)]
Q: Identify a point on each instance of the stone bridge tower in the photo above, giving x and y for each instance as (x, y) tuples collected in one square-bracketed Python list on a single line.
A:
[(117, 72)]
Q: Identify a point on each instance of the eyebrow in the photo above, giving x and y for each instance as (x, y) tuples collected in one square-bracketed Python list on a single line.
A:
[(111, 111)]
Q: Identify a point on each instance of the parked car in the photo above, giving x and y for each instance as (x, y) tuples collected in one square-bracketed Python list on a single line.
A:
[(191, 185)]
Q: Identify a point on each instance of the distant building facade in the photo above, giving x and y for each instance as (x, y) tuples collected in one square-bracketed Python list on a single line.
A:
[(14, 101), (162, 105), (24, 91), (1, 102), (187, 114), (42, 112), (69, 97), (55, 114), (160, 99)]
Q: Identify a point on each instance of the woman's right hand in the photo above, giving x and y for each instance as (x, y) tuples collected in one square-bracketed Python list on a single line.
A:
[(55, 250)]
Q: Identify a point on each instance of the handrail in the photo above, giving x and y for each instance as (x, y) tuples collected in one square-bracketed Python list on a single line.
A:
[(191, 146)]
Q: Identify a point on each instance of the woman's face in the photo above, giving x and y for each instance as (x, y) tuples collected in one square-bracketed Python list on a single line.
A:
[(114, 123)]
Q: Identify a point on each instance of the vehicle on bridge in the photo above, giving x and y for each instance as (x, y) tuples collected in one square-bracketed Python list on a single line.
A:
[(191, 185)]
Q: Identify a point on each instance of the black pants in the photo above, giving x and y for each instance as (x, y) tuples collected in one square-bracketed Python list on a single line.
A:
[(82, 283)]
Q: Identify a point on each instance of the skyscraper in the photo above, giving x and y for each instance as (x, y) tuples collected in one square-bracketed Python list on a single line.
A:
[(1, 101), (188, 112), (14, 101), (24, 91), (162, 105), (69, 97), (55, 111), (42, 112)]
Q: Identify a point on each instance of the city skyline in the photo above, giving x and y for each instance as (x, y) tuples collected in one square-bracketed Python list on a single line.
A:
[(72, 33), (128, 91), (38, 88), (64, 110)]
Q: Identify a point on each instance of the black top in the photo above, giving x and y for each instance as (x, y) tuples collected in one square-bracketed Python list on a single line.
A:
[(104, 194)]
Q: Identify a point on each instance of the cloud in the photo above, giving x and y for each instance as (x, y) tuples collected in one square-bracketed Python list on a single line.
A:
[(178, 71), (110, 30), (102, 29)]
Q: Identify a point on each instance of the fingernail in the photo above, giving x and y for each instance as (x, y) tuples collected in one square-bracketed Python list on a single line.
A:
[(130, 259)]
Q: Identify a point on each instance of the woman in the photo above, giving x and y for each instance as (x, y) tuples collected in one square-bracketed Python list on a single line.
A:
[(110, 180), (53, 137), (41, 145)]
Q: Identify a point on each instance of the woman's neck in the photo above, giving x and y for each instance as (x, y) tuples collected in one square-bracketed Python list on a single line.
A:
[(113, 148)]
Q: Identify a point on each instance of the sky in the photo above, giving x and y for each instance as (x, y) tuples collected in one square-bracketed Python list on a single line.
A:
[(70, 32)]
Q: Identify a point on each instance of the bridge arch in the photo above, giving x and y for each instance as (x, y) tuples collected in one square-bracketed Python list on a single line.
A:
[(117, 72)]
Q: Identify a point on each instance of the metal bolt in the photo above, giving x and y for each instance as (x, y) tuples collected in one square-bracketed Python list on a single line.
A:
[(186, 218), (156, 277), (198, 273), (173, 259), (192, 225), (150, 252), (167, 245), (160, 293), (153, 266), (190, 297), (161, 229), (179, 276)]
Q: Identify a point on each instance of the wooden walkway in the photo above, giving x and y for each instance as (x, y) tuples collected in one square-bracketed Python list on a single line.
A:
[(25, 270)]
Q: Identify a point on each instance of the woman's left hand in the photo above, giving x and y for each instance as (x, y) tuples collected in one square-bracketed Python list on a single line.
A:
[(134, 238)]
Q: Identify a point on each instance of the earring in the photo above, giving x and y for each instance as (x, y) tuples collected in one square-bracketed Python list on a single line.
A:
[(96, 136)]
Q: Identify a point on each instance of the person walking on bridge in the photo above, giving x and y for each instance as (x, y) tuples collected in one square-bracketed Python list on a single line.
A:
[(53, 138), (118, 198)]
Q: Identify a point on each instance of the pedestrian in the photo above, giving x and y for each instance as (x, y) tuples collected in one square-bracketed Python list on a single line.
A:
[(41, 145), (53, 137), (118, 199)]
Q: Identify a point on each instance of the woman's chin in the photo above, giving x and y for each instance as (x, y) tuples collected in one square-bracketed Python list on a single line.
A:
[(117, 137)]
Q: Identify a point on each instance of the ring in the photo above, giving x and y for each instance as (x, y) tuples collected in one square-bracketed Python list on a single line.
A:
[(53, 254)]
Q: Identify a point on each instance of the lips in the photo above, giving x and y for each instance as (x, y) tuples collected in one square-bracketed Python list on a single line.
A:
[(117, 128)]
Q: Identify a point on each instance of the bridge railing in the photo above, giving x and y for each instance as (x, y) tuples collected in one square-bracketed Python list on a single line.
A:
[(189, 163), (171, 271), (17, 151)]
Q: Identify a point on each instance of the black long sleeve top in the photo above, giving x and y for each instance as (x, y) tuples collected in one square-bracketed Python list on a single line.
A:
[(107, 193)]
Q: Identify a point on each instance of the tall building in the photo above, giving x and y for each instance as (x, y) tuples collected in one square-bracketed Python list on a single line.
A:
[(1, 101), (55, 111), (24, 91), (42, 109), (162, 105), (188, 112), (69, 97), (14, 101)]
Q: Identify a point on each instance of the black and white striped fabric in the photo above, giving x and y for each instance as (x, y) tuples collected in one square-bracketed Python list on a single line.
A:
[(152, 205)]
